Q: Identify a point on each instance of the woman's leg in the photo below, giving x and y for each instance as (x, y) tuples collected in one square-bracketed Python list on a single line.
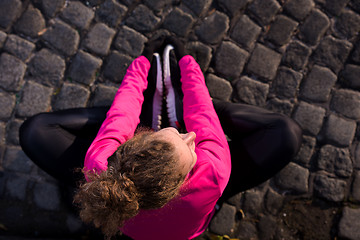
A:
[(262, 143)]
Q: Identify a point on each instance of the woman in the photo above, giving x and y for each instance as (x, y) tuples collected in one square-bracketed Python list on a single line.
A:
[(162, 185)]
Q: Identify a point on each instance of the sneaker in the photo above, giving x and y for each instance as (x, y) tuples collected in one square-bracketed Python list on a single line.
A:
[(174, 94)]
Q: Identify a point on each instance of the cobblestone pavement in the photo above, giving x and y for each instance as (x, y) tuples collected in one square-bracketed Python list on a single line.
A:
[(297, 57)]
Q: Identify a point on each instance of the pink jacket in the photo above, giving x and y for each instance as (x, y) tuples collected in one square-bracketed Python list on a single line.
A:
[(188, 215)]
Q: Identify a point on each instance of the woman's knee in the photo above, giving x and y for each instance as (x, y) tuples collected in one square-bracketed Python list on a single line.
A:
[(32, 127), (291, 134)]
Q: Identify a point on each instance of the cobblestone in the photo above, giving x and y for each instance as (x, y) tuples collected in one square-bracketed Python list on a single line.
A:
[(198, 7), (12, 137), (99, 39), (335, 6), (294, 178), (213, 28), (16, 187), (104, 95), (35, 99), (356, 187), (330, 189), (2, 39), (245, 32), (12, 72), (111, 12), (116, 66), (349, 77), (299, 9), (84, 68), (201, 53), (51, 7), (178, 22), (264, 62), (2, 136), (31, 22), (306, 151), (296, 55), (224, 220), (286, 82), (280, 106), (129, 41), (7, 101), (281, 30), (346, 102), (19, 47), (349, 226), (318, 84), (335, 160), (357, 157), (273, 201), (47, 196), (16, 160), (267, 227), (142, 19), (158, 6), (310, 117), (78, 15), (218, 87), (355, 5), (251, 91), (71, 96), (314, 27), (356, 53), (233, 6), (253, 202), (9, 11), (246, 230), (339, 131), (47, 67), (264, 11), (348, 24)]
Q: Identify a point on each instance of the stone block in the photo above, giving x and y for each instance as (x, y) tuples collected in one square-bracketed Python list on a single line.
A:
[(7, 103), (335, 160), (9, 11), (13, 132), (246, 230), (129, 41), (357, 157), (199, 7), (286, 83), (2, 135), (111, 12), (31, 22), (264, 62), (84, 67), (62, 37), (310, 117), (251, 91), (77, 14), (19, 47), (116, 66), (335, 6), (12, 72), (306, 151), (348, 24), (280, 106), (281, 30), (158, 6), (47, 67), (16, 160), (178, 22), (350, 76), (230, 60), (355, 4), (314, 27), (224, 221), (71, 96), (293, 178), (213, 28), (2, 38), (355, 193), (328, 188), (299, 9), (339, 130), (233, 6), (16, 187), (35, 99), (51, 7), (264, 11), (201, 53), (355, 56), (273, 201), (245, 32), (99, 39), (296, 55), (94, 3), (218, 87), (346, 102), (104, 95), (349, 226), (332, 53), (267, 227), (318, 84), (47, 196), (142, 19), (253, 203)]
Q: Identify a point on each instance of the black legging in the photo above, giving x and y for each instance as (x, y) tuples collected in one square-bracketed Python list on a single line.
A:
[(262, 142)]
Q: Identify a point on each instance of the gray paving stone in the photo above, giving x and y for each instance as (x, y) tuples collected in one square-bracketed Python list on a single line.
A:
[(2, 179), (264, 62), (158, 6), (35, 99), (335, 6), (349, 225), (77, 14), (19, 47), (230, 60), (199, 7), (348, 24), (2, 134), (178, 22), (104, 95), (31, 22), (310, 117), (251, 91), (355, 4), (129, 41), (12, 72), (224, 221), (47, 196), (142, 19), (328, 188), (213, 28), (201, 53), (84, 67), (355, 193), (16, 187), (357, 157), (339, 130), (62, 37), (71, 96), (111, 12), (306, 151), (253, 203), (246, 230), (116, 66), (245, 32), (73, 223), (218, 87), (9, 11), (47, 67), (346, 102), (286, 82), (267, 227), (94, 3), (7, 103), (355, 56), (281, 30), (51, 7), (299, 9), (264, 11), (332, 53), (335, 160), (350, 76), (293, 178), (273, 201), (233, 6), (16, 160), (296, 55), (2, 38), (99, 39), (13, 132), (318, 84), (314, 27), (280, 106)]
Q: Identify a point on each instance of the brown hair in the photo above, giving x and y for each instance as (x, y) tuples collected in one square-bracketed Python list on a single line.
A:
[(143, 173)]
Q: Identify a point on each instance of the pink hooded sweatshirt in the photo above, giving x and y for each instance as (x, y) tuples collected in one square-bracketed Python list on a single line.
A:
[(188, 214)]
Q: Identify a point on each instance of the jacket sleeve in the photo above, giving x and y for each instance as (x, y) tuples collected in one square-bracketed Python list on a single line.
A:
[(122, 118)]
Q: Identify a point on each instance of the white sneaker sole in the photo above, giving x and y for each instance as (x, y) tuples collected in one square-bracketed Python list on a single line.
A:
[(157, 100)]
